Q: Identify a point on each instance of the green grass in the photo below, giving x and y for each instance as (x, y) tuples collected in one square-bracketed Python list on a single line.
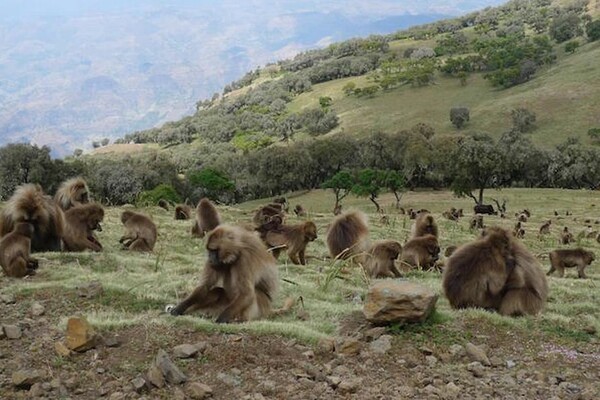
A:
[(138, 286)]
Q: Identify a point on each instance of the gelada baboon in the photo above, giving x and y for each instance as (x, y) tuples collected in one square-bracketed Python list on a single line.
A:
[(425, 225), (207, 218), (239, 280), (294, 238), (29, 204), (518, 230), (380, 259), (80, 223), (570, 258), (566, 237), (183, 211), (15, 251), (140, 232), (162, 203), (283, 201), (422, 251), (450, 250), (476, 222), (264, 213), (337, 210), (545, 228), (449, 214), (348, 235), (299, 211), (495, 272), (522, 217), (72, 192)]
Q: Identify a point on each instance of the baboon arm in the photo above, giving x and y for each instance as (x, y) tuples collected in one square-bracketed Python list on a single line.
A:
[(197, 296), (395, 271), (240, 301)]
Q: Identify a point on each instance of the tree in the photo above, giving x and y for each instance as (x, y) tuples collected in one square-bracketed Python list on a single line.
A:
[(211, 183), (325, 102), (572, 46), (395, 183), (95, 144), (77, 152), (565, 27), (477, 164), (341, 184), (23, 163), (523, 120), (459, 116), (592, 30), (368, 184), (105, 141)]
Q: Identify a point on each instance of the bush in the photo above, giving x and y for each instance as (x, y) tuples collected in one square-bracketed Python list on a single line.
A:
[(565, 27), (570, 47), (592, 30), (459, 116), (162, 191), (523, 120)]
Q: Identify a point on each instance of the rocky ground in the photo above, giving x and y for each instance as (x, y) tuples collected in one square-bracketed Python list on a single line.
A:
[(361, 362)]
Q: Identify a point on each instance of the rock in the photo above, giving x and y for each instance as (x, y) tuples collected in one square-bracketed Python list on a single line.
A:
[(496, 361), (12, 332), (61, 349), (24, 379), (201, 346), (229, 380), (7, 298), (457, 351), (139, 384), (391, 301), (37, 309), (333, 381), (326, 344), (452, 390), (92, 289), (426, 350), (476, 369), (510, 364), (381, 345), (476, 353), (110, 341), (569, 388), (36, 390), (431, 360), (185, 351), (348, 346), (309, 354), (197, 390), (374, 333), (349, 385), (155, 377), (80, 334), (169, 370), (117, 396)]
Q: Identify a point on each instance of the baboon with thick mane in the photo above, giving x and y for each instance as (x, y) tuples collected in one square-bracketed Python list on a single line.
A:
[(380, 259), (422, 251), (425, 225), (15, 250), (207, 218), (71, 193), (239, 280), (140, 232), (570, 258), (80, 223), (348, 235), (495, 272), (294, 238), (29, 204)]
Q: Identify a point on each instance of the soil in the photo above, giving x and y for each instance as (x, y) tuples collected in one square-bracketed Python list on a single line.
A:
[(417, 366)]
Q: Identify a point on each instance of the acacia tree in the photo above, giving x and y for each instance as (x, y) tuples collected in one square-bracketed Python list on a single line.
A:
[(478, 163), (341, 184), (395, 183), (368, 184)]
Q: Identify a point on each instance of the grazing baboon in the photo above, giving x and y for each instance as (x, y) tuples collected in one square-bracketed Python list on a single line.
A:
[(183, 211), (449, 214), (72, 192), (283, 202), (15, 249), (80, 223), (29, 204), (207, 218), (379, 261), (476, 222), (162, 203), (140, 232), (484, 209), (293, 237), (495, 272), (545, 228), (337, 210), (570, 258), (518, 231), (264, 213), (239, 279), (348, 235), (566, 237), (425, 225), (422, 251), (299, 211), (450, 250)]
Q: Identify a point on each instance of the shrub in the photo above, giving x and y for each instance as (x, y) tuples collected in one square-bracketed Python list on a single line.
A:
[(162, 191)]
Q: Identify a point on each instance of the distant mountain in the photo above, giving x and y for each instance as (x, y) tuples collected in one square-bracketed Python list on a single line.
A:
[(72, 74)]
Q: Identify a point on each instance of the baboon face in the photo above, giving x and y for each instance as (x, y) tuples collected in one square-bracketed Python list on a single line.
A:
[(310, 231), (394, 250), (125, 215), (589, 257), (96, 216), (25, 229), (82, 196), (222, 246)]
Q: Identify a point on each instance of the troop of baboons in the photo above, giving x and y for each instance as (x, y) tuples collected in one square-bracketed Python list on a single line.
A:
[(240, 278)]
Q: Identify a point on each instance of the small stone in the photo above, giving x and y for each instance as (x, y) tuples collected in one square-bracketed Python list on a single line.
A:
[(476, 369), (381, 345), (201, 346), (37, 309), (348, 347), (510, 364), (7, 298), (457, 351), (309, 354), (229, 380), (185, 351), (197, 390), (426, 350), (431, 360), (36, 390), (431, 390), (139, 384), (110, 341), (569, 388), (476, 353), (100, 370), (61, 349), (349, 385), (80, 334), (170, 371), (374, 333), (12, 331), (155, 377), (452, 389), (333, 381), (391, 301), (90, 290), (24, 379), (496, 361), (103, 391), (326, 344), (55, 383)]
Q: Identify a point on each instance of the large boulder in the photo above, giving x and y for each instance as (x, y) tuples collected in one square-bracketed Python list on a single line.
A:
[(390, 301), (80, 334)]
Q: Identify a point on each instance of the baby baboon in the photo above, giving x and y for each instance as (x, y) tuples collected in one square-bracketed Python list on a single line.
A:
[(299, 211), (183, 211), (545, 228), (570, 258), (140, 232), (566, 237), (522, 217), (207, 218), (72, 192), (239, 279), (162, 203), (80, 223), (495, 272), (422, 251), (15, 251), (518, 231), (348, 235), (294, 237), (425, 225), (29, 204), (476, 222), (379, 261)]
